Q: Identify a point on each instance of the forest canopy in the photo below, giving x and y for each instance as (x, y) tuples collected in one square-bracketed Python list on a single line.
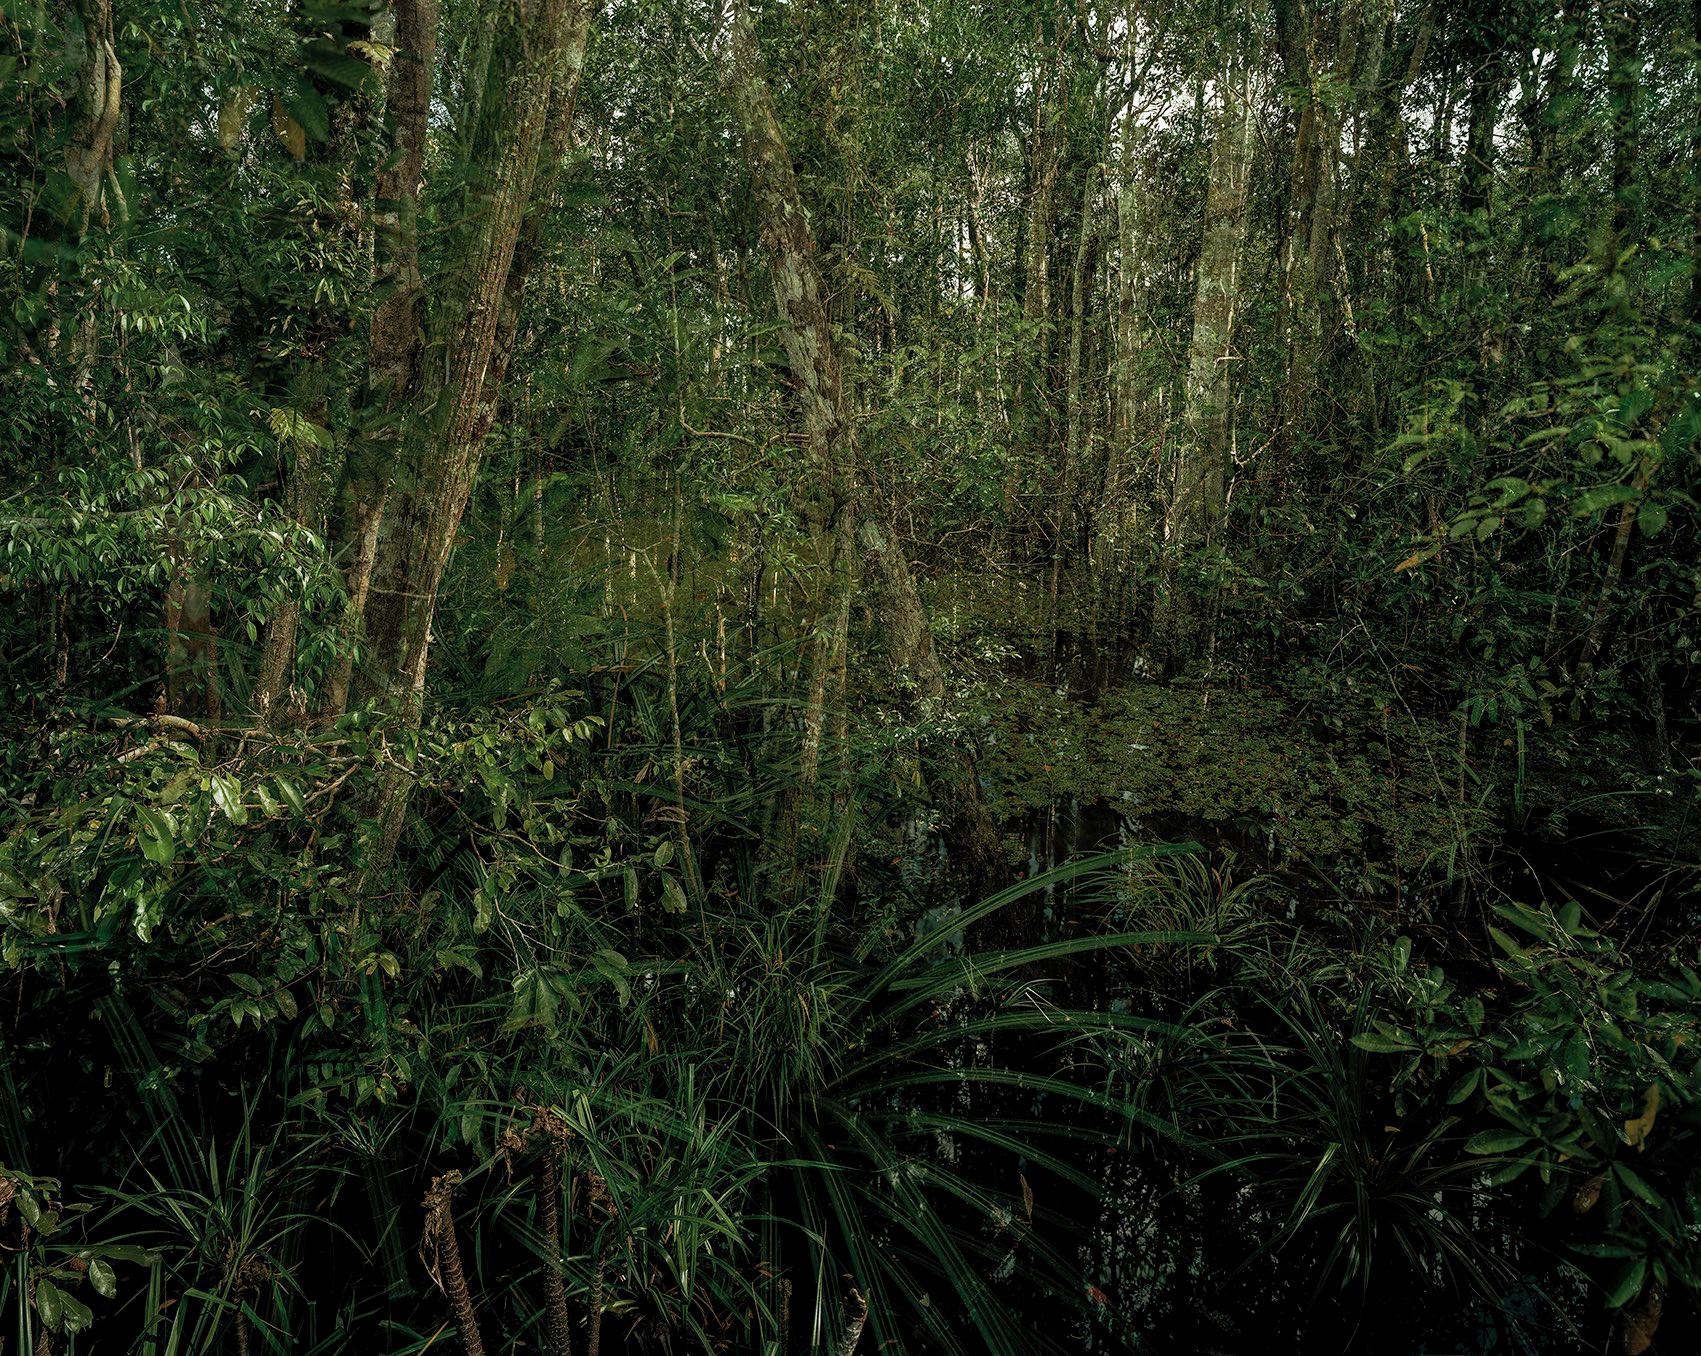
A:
[(830, 676)]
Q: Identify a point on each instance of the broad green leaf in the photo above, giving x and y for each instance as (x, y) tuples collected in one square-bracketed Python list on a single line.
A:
[(1637, 1185), (1602, 497), (1496, 1142), (1628, 1285), (49, 1303), (156, 835)]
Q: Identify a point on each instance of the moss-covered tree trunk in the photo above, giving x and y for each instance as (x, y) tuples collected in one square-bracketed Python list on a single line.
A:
[(1195, 500), (469, 331), (829, 492), (830, 439)]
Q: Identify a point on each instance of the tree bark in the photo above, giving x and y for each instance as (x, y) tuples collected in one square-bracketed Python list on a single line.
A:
[(830, 439), (1197, 492), (829, 499), (1073, 459), (1623, 94), (454, 396), (1488, 84), (397, 335), (452, 413), (88, 154), (1196, 500)]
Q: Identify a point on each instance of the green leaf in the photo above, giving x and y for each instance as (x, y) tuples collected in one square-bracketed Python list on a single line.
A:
[(129, 1252), (1603, 496), (1464, 1087), (74, 1315), (1637, 1185), (227, 795), (1650, 518), (323, 59), (1496, 1142), (49, 1302), (292, 795), (673, 895), (1629, 1283), (103, 1278), (156, 835), (308, 107), (1506, 944), (1381, 1045)]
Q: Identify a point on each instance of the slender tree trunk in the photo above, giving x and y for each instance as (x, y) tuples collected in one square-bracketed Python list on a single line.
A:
[(473, 328), (442, 1250), (559, 1317), (1488, 84), (1071, 464), (829, 498), (1113, 519), (829, 437), (1695, 180), (397, 338), (452, 415), (1623, 93), (1196, 498), (1031, 416), (89, 152), (855, 1318), (1311, 278)]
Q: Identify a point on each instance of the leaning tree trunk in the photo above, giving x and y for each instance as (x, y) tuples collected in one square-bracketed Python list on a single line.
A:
[(396, 340), (829, 498), (1196, 496), (813, 356), (448, 415)]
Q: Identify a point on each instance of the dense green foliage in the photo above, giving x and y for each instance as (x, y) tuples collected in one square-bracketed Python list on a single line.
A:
[(987, 675)]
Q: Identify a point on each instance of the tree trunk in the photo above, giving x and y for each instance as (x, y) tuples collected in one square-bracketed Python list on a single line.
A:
[(89, 152), (1695, 184), (829, 498), (1196, 498), (1488, 83), (451, 414), (397, 336), (473, 325), (1030, 394), (813, 357), (1113, 518), (1623, 91), (1073, 458)]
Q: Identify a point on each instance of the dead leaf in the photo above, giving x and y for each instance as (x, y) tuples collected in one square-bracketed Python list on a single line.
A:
[(1636, 1131)]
